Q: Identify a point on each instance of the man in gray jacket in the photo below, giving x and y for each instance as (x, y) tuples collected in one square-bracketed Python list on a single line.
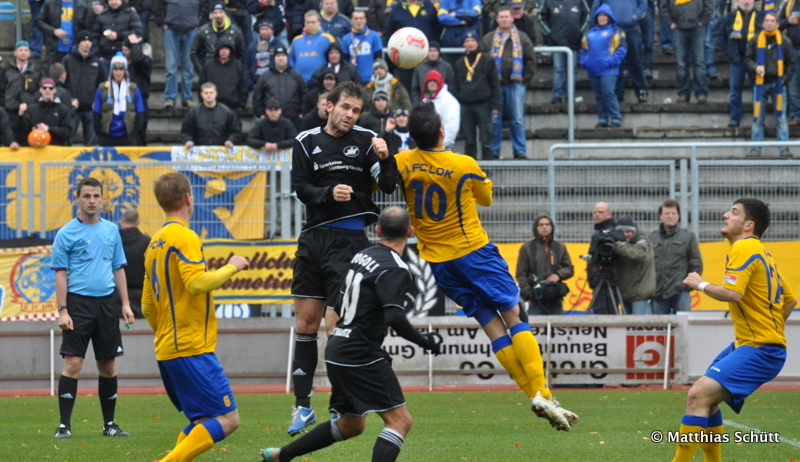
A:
[(688, 21), (676, 255), (634, 267)]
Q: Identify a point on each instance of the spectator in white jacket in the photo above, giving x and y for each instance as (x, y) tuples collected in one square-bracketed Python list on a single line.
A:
[(448, 107)]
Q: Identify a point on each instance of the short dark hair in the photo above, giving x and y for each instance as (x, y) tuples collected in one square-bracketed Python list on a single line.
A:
[(669, 204), (394, 222), (424, 125), (57, 70), (504, 8), (88, 181), (345, 89), (756, 211)]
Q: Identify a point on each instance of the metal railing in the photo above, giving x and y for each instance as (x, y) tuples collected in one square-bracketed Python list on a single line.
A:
[(570, 80), (706, 188), (567, 189)]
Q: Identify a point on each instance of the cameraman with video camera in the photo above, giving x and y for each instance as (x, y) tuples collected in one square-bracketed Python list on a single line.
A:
[(542, 265), (600, 262), (635, 268)]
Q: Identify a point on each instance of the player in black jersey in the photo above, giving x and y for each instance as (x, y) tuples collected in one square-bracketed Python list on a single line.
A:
[(334, 169), (360, 371)]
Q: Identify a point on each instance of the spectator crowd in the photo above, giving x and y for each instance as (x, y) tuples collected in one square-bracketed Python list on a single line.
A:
[(254, 51)]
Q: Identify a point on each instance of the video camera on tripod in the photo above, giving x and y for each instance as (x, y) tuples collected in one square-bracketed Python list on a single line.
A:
[(603, 253), (601, 275)]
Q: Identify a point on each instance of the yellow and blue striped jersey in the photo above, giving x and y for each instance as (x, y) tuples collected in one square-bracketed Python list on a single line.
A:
[(441, 189), (758, 317), (185, 324)]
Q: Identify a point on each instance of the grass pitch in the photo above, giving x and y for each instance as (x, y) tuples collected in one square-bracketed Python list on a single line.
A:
[(483, 426)]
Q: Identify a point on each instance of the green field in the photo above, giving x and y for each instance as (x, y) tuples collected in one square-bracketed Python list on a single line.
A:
[(486, 426)]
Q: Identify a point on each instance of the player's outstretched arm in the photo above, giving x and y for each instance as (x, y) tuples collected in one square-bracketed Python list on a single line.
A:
[(717, 292), (397, 319), (211, 280)]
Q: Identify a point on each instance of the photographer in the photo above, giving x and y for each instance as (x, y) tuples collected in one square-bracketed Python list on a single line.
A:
[(541, 266), (635, 268), (600, 261)]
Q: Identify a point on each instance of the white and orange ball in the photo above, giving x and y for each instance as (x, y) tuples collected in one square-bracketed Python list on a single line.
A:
[(408, 47)]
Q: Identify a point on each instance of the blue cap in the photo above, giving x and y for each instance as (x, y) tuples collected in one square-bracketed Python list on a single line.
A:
[(22, 43)]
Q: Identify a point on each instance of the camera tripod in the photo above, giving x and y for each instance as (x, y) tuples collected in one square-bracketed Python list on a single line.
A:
[(611, 297)]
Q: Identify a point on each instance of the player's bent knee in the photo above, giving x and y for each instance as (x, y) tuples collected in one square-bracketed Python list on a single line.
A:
[(230, 422), (399, 420), (703, 394), (350, 426)]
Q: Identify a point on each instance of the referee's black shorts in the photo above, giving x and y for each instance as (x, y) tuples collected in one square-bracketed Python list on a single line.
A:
[(95, 319), (322, 257), (363, 389)]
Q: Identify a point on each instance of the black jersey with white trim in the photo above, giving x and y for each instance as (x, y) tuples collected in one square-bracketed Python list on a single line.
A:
[(321, 161), (376, 279)]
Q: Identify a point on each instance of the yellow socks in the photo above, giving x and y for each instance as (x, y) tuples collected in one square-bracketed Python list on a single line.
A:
[(688, 443), (527, 350), (712, 452), (198, 441)]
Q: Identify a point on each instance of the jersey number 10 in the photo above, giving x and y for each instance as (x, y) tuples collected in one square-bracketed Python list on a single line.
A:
[(428, 198)]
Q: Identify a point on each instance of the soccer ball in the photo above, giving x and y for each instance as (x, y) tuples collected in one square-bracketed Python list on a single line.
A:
[(408, 47), (39, 138)]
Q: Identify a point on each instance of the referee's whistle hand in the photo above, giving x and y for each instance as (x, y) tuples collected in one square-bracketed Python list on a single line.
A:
[(380, 147), (64, 320), (342, 192)]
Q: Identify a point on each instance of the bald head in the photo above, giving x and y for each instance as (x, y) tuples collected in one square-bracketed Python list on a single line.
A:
[(129, 219), (393, 224), (602, 212)]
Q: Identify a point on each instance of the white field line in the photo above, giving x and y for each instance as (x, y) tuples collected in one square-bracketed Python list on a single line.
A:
[(730, 423)]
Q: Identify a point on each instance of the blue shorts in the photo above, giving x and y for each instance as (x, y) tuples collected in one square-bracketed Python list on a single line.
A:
[(742, 370), (479, 282), (197, 386)]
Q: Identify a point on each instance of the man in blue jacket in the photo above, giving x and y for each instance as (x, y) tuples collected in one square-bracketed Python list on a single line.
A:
[(627, 14)]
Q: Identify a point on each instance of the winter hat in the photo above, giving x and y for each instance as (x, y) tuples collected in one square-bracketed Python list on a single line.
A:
[(625, 223), (83, 35), (273, 103), (380, 63), (265, 23), (47, 81), (333, 46), (435, 76), (119, 61), (218, 6), (401, 111), (280, 50), (22, 43), (380, 94), (473, 35)]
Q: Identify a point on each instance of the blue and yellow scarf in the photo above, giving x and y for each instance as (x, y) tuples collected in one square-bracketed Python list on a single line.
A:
[(516, 53), (738, 23), (761, 56)]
